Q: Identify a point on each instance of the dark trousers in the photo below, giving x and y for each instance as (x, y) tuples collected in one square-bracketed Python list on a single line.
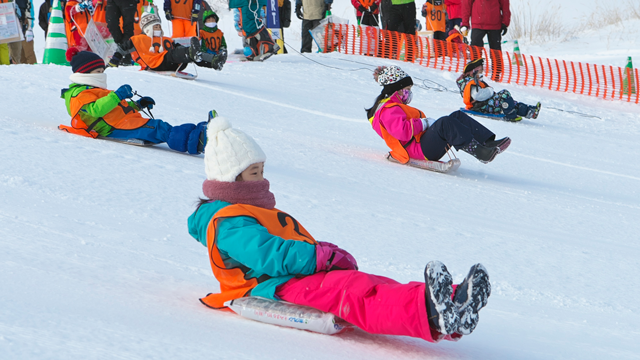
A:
[(306, 35), (369, 19), (495, 40), (451, 23), (176, 58), (404, 15), (125, 9), (457, 130)]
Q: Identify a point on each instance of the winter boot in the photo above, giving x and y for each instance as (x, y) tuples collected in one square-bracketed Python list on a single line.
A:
[(179, 137), (534, 111), (501, 144), (481, 152), (471, 296), (202, 139), (509, 109), (441, 311), (194, 50)]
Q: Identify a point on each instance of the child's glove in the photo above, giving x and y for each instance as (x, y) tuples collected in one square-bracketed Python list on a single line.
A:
[(330, 257), (504, 29), (424, 10), (194, 13), (145, 102), (426, 122), (168, 16), (124, 92), (299, 11)]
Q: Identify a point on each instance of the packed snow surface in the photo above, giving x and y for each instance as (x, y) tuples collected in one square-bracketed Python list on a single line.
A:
[(97, 263)]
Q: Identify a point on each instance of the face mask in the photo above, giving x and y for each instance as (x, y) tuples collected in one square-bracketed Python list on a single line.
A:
[(211, 24), (157, 33), (406, 95)]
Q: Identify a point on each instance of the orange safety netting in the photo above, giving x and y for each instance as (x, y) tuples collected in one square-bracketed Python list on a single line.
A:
[(606, 82)]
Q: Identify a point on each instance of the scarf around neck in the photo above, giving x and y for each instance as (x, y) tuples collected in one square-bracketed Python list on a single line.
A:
[(254, 193), (95, 80)]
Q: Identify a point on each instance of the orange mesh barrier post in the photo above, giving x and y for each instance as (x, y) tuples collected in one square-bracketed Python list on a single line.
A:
[(559, 76), (604, 77), (582, 79), (629, 74), (326, 36), (566, 73), (551, 73), (510, 68), (575, 78), (526, 70), (518, 75), (542, 71), (420, 48), (595, 68), (590, 81), (620, 73), (535, 72), (613, 83), (637, 92)]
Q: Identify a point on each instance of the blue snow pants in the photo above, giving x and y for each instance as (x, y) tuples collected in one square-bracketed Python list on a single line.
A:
[(185, 137), (457, 130)]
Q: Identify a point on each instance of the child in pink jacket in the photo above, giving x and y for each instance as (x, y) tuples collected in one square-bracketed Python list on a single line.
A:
[(410, 134), (256, 249)]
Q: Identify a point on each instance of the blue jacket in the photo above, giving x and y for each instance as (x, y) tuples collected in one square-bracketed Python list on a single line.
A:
[(243, 241), (250, 15)]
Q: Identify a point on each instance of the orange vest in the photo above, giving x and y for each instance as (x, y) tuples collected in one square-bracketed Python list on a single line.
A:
[(122, 117), (143, 56), (398, 151), (467, 93), (212, 40), (435, 17), (366, 3), (181, 9), (233, 283)]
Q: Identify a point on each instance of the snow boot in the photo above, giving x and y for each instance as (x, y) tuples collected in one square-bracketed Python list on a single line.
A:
[(471, 296), (194, 49), (534, 111), (202, 138), (501, 144), (179, 137), (509, 109), (484, 154), (441, 311)]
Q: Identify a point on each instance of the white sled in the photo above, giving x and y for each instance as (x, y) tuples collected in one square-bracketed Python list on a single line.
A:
[(287, 314), (438, 166), (135, 142), (179, 74)]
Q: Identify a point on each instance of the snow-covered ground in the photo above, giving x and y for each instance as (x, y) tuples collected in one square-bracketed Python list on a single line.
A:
[(97, 263)]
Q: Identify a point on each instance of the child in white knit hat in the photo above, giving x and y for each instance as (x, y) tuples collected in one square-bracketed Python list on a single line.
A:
[(256, 249)]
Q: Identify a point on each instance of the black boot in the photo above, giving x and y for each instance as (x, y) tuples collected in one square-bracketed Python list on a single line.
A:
[(194, 50), (471, 296), (501, 144), (483, 153), (441, 311)]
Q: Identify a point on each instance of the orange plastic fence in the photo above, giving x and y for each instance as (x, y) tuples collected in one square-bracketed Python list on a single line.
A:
[(606, 82)]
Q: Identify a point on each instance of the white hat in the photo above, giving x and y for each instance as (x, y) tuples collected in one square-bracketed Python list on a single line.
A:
[(147, 20), (229, 151)]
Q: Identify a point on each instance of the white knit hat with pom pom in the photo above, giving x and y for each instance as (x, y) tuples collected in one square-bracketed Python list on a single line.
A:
[(229, 151)]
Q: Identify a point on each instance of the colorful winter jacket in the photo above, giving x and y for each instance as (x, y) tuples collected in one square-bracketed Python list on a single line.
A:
[(486, 14), (212, 40), (454, 9), (241, 242), (99, 111), (249, 17), (435, 15), (399, 125), (465, 83), (367, 4)]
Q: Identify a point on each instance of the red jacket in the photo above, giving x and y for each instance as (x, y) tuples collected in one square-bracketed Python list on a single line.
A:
[(486, 14), (454, 9), (356, 4)]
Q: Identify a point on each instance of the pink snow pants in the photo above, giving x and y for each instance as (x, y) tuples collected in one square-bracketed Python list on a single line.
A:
[(375, 304)]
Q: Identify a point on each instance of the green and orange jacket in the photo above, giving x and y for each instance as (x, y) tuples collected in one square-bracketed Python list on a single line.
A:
[(97, 112)]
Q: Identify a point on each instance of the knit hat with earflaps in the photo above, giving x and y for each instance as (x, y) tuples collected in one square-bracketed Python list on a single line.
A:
[(84, 61), (392, 78), (229, 151), (147, 21), (472, 65)]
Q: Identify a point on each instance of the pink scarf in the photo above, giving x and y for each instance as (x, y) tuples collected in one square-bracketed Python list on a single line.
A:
[(254, 193)]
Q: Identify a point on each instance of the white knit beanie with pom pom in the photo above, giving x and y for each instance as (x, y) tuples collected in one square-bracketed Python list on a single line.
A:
[(229, 151)]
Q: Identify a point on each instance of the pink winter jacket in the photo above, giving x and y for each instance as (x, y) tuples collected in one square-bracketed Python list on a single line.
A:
[(454, 9), (395, 121), (486, 14)]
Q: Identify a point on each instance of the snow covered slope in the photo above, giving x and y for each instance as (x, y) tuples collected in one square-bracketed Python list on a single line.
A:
[(97, 263)]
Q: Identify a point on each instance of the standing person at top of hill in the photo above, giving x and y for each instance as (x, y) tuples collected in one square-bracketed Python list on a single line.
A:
[(367, 11), (310, 12), (435, 13), (256, 249), (153, 51), (183, 15), (125, 10), (454, 14), (412, 135), (489, 18), (401, 16)]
